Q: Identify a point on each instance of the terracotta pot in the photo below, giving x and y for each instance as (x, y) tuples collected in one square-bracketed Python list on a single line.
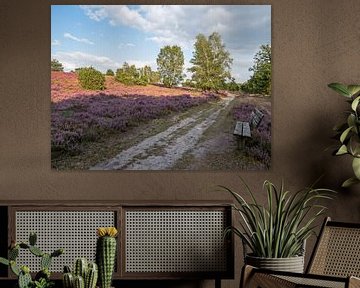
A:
[(291, 264)]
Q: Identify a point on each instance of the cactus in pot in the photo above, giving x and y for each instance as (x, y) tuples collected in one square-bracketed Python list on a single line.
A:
[(106, 254), (85, 275), (42, 278)]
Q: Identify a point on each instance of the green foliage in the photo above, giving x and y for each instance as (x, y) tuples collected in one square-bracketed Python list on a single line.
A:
[(91, 79), (170, 63), (130, 75), (110, 72), (349, 132), (42, 278), (148, 75), (211, 62), (232, 86), (43, 283), (56, 65), (279, 229), (260, 81), (189, 83)]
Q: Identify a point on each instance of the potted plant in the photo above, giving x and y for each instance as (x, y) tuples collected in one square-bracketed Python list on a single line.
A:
[(349, 132), (276, 233), (84, 274), (42, 278)]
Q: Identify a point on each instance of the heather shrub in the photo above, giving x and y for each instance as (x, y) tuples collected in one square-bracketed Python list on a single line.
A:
[(91, 79), (85, 118)]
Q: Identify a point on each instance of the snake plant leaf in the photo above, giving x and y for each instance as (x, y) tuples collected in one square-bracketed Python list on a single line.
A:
[(356, 167), (342, 150), (345, 134), (355, 103), (341, 89), (349, 182), (353, 89)]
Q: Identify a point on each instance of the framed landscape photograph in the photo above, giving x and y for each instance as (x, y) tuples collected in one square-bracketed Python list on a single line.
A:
[(161, 87)]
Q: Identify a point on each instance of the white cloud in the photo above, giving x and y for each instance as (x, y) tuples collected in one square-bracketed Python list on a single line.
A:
[(179, 24), (55, 42), (243, 28), (77, 59), (124, 45), (83, 40), (94, 14)]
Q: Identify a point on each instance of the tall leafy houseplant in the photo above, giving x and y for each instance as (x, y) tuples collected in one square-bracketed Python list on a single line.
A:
[(349, 132), (280, 228)]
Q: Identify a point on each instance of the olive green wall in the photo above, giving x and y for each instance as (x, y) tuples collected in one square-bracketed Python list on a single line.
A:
[(314, 42)]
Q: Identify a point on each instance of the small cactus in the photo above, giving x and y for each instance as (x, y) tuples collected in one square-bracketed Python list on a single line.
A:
[(88, 273), (57, 252), (45, 261), (23, 273), (68, 280), (79, 282), (36, 251), (24, 280), (32, 238), (80, 267), (106, 254), (91, 276), (67, 269), (14, 268), (13, 253)]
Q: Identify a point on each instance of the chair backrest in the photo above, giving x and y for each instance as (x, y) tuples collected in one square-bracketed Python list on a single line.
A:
[(337, 251), (255, 118)]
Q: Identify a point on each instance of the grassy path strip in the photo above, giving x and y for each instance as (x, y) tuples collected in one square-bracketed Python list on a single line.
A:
[(140, 156)]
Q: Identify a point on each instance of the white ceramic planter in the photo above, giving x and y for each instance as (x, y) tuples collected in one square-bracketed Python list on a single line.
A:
[(291, 264)]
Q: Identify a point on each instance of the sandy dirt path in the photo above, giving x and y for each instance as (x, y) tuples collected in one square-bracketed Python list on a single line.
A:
[(163, 150)]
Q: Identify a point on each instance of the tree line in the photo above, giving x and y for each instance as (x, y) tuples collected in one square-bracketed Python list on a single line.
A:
[(210, 70)]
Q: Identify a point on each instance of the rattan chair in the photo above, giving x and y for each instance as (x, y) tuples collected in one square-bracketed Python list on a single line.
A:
[(335, 262)]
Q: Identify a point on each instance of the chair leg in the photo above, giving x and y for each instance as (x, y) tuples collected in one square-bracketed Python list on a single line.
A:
[(251, 279), (217, 283), (246, 274)]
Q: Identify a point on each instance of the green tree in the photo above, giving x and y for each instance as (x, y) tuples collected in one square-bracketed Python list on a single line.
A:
[(232, 85), (56, 65), (211, 62), (130, 75), (110, 72), (155, 77), (170, 63), (91, 79), (260, 81)]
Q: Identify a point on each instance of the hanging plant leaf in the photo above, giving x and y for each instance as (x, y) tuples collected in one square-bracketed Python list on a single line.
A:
[(355, 103), (356, 167), (345, 134), (340, 88), (351, 120), (349, 182), (342, 150), (353, 89)]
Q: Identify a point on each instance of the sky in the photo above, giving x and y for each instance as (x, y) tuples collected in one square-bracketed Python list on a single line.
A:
[(106, 36)]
